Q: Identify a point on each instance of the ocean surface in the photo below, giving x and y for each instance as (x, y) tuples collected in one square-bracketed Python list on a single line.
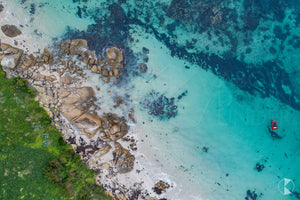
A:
[(218, 72)]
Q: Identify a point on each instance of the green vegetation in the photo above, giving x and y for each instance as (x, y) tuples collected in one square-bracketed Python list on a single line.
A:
[(35, 163)]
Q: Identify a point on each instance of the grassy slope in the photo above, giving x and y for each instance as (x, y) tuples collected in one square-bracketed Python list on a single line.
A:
[(35, 163)]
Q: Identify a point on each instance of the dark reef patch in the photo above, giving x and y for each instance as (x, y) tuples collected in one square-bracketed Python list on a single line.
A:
[(202, 15), (296, 194), (259, 167), (78, 1), (32, 8), (79, 12), (266, 79), (110, 29), (145, 50), (251, 195), (182, 95), (272, 50), (161, 106)]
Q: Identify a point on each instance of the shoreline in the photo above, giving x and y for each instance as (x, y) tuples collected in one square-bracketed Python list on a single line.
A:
[(55, 74), (39, 74), (155, 103)]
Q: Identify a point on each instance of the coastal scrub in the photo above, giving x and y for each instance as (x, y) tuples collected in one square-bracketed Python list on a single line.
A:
[(35, 162)]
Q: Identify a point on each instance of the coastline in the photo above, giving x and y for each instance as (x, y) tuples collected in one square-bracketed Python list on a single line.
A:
[(48, 75), (82, 91), (40, 67), (35, 149)]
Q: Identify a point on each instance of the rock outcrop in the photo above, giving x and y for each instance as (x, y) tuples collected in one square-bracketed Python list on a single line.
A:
[(59, 81), (75, 107), (115, 57), (78, 46), (10, 56), (110, 68), (10, 30), (46, 57), (123, 159), (113, 128)]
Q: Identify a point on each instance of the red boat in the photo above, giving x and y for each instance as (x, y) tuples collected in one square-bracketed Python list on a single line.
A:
[(274, 125)]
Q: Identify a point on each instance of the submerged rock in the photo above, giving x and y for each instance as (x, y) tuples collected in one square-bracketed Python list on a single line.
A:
[(143, 67), (160, 105), (259, 167), (10, 30), (251, 195)]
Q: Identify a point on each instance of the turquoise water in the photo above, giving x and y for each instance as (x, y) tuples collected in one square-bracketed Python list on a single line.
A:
[(231, 66)]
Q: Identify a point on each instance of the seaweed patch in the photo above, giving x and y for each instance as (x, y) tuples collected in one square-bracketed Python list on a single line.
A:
[(159, 105)]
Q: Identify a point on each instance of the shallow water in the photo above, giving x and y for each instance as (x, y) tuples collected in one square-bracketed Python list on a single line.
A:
[(231, 66)]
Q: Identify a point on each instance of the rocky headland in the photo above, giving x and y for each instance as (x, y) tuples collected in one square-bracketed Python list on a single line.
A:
[(101, 140)]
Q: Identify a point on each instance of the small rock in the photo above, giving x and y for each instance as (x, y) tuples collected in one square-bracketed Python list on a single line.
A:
[(10, 30), (144, 67), (114, 56), (106, 79), (115, 129), (1, 7), (78, 46), (145, 50), (116, 72), (160, 187), (204, 149)]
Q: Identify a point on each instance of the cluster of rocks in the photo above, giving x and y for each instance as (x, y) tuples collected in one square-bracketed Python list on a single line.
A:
[(75, 106), (58, 79), (109, 68), (30, 60), (160, 105), (160, 187), (251, 195), (259, 167)]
